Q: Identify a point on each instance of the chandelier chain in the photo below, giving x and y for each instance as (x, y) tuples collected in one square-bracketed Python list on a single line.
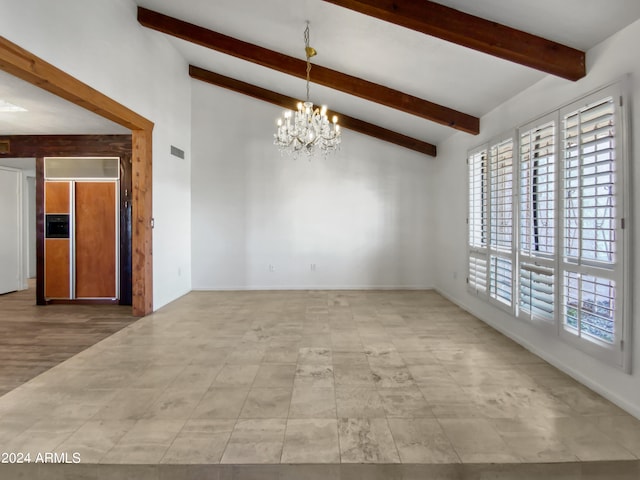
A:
[(306, 49)]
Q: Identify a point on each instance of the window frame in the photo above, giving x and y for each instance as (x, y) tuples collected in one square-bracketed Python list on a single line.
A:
[(488, 250), (619, 352)]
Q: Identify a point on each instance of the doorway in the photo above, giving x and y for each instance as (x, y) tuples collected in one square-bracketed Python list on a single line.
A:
[(23, 64)]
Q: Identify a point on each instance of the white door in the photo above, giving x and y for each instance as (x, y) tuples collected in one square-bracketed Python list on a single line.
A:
[(9, 230)]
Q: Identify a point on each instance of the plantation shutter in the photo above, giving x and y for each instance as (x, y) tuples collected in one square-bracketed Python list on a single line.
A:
[(501, 222), (591, 312), (537, 220), (478, 221), (590, 182)]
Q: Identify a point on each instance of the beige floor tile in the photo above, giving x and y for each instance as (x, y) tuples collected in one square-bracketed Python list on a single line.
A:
[(346, 345), (475, 374), (196, 378), (386, 360), (267, 403), (157, 378), (408, 343), (146, 442), (314, 356), (200, 441), (255, 441), (428, 373), (95, 438), (404, 403), (275, 376), (248, 354), (281, 354), (359, 402), (313, 376), (221, 403), (588, 442), (236, 375), (43, 436), (311, 441), (366, 440), (477, 441), (392, 377), (315, 339), (313, 403), (129, 404), (583, 401), (625, 429), (353, 375), (174, 404), (533, 440), (355, 359), (421, 440), (498, 401)]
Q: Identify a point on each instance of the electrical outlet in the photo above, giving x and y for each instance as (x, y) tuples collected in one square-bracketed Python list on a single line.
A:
[(313, 267), (272, 268)]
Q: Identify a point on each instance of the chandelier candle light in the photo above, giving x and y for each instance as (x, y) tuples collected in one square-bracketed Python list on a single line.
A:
[(308, 129)]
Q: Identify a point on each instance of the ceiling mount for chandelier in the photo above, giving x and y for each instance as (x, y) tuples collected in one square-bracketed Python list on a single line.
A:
[(308, 129)]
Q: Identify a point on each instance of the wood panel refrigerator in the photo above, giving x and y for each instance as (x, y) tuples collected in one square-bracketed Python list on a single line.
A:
[(81, 231)]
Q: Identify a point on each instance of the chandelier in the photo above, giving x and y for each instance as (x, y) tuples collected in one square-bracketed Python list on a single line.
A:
[(308, 128)]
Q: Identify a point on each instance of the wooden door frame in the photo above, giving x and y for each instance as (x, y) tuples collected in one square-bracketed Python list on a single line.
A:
[(23, 64)]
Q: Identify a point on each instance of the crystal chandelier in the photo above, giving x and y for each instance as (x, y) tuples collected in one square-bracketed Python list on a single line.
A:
[(308, 129)]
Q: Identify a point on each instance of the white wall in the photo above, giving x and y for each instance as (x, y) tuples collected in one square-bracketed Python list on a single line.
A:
[(101, 43), (606, 63), (361, 216)]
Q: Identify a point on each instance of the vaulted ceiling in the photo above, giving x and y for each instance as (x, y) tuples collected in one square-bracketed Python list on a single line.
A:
[(413, 71), (421, 69)]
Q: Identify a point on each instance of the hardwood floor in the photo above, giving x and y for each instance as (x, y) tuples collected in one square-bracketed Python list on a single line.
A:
[(35, 338)]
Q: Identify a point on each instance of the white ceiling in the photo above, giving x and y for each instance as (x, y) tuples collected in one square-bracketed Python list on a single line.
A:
[(362, 46), (47, 113)]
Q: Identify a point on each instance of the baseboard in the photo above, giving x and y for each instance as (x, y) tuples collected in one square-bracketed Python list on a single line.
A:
[(260, 288)]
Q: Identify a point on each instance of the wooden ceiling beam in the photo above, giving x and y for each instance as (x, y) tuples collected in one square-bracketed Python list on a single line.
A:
[(284, 101), (477, 33), (297, 67)]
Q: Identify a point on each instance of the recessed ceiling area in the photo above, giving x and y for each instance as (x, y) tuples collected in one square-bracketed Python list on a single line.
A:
[(47, 114)]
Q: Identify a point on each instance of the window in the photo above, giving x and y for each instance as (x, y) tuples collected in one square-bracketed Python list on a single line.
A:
[(478, 224), (491, 221), (537, 220), (560, 262), (501, 231), (592, 235)]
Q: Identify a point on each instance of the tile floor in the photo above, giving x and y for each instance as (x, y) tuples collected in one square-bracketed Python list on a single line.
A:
[(315, 385)]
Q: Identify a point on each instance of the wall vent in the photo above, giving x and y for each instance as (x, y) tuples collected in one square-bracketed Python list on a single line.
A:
[(176, 152)]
